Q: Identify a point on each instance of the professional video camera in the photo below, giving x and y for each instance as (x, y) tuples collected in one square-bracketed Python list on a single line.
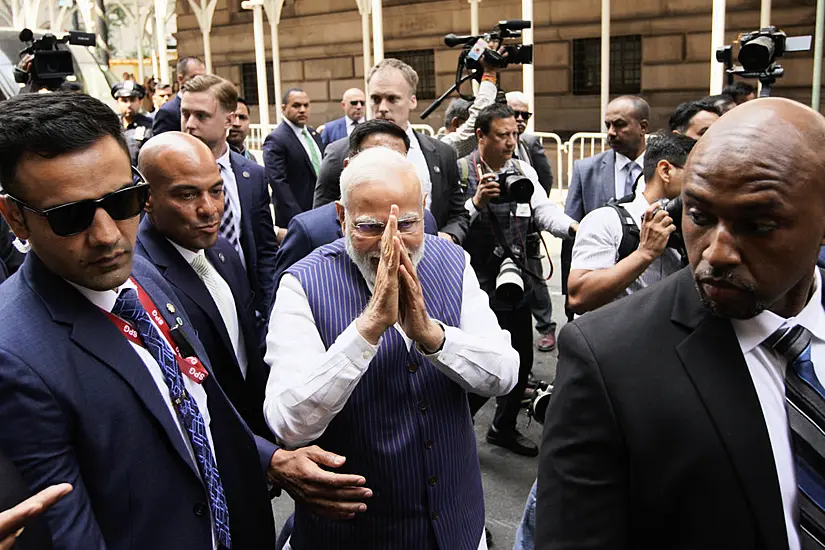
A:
[(474, 48), (758, 52), (50, 65)]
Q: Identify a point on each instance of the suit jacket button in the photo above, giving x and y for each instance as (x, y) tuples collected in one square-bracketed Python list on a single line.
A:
[(200, 509), (422, 405), (412, 367)]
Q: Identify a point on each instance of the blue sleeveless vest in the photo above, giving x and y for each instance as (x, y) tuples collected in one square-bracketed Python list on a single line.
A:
[(406, 428)]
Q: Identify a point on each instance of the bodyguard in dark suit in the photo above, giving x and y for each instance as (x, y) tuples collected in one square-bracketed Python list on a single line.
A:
[(91, 392), (292, 157), (208, 110), (392, 85), (179, 236), (354, 104), (694, 422), (167, 118)]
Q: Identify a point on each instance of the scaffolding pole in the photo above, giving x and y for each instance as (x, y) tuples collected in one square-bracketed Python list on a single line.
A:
[(528, 76), (260, 58), (378, 31), (273, 12), (605, 61), (364, 10), (717, 39)]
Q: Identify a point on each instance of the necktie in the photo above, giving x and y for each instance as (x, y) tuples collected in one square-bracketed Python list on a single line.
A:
[(227, 229), (129, 308), (805, 404), (222, 295), (313, 149), (632, 174)]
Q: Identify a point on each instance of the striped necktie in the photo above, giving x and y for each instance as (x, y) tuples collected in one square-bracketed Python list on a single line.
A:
[(129, 308), (805, 405), (228, 230)]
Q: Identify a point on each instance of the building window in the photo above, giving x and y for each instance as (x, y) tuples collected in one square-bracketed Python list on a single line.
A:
[(249, 79), (625, 65), (423, 61)]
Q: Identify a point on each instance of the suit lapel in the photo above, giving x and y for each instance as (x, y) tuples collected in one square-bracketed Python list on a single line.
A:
[(296, 143), (714, 362), (608, 178), (431, 156), (246, 193)]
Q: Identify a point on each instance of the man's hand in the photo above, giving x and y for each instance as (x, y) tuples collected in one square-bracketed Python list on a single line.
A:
[(329, 495), (574, 228), (280, 235), (382, 311), (487, 190), (657, 226), (412, 312), (12, 521)]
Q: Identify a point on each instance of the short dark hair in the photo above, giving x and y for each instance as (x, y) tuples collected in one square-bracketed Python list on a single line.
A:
[(668, 146), (371, 127), (243, 100), (290, 92), (641, 109), (718, 100), (459, 108), (684, 113), (182, 67), (488, 114), (50, 125), (739, 90)]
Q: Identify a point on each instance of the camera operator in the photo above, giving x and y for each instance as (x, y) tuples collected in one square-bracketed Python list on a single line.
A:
[(612, 258), (137, 127), (489, 175)]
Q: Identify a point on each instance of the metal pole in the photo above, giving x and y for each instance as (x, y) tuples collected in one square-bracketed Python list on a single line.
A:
[(817, 76), (764, 21), (276, 66), (260, 63), (474, 29), (605, 67), (52, 15), (717, 39), (160, 34), (364, 6), (378, 31), (528, 76), (140, 30), (207, 50)]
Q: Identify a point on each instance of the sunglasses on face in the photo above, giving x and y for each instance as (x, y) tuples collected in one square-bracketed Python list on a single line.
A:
[(357, 102), (70, 219), (376, 229), (525, 115)]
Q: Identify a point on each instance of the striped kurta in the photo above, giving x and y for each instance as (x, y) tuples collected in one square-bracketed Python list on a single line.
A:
[(406, 428)]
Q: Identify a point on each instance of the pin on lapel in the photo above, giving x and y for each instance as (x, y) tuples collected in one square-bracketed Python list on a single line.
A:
[(436, 169), (170, 308), (245, 174), (221, 257), (180, 321)]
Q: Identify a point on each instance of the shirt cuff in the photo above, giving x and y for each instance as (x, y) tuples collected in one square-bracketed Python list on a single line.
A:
[(471, 209), (356, 347)]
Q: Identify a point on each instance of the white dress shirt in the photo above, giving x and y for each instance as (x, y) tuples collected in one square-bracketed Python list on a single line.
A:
[(620, 174), (225, 302), (416, 156), (464, 140), (548, 215), (600, 235), (351, 124), (230, 189), (308, 385), (767, 370), (299, 131), (105, 300)]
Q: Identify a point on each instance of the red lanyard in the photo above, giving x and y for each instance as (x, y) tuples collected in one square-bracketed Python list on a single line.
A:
[(189, 366)]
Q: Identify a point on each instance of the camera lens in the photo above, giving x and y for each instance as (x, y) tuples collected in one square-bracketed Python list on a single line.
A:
[(757, 55)]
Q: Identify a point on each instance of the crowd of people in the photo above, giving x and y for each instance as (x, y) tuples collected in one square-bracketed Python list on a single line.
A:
[(189, 333)]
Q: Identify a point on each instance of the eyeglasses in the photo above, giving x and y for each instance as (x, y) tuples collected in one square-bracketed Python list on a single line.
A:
[(376, 229), (70, 219), (525, 115), (357, 102)]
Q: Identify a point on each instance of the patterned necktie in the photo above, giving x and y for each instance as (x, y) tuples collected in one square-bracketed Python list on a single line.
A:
[(227, 229), (632, 174), (129, 308), (313, 149), (805, 405)]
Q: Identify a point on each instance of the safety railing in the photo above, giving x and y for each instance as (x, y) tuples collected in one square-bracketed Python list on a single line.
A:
[(583, 145), (257, 135), (560, 148), (424, 129)]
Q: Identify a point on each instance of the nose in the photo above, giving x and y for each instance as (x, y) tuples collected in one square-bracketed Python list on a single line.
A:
[(721, 251), (104, 231)]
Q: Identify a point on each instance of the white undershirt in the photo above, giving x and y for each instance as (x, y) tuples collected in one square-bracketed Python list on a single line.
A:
[(767, 370), (351, 124)]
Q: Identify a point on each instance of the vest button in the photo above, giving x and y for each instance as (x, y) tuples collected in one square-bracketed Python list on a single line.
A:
[(422, 405), (199, 509), (432, 481), (435, 516), (428, 444), (412, 367)]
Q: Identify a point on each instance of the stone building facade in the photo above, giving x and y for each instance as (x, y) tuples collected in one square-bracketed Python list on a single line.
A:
[(661, 49)]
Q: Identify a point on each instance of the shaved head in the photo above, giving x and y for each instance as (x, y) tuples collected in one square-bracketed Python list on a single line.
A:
[(354, 104), (185, 189), (754, 215)]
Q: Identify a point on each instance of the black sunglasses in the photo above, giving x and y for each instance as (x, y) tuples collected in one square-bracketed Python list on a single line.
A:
[(76, 217), (357, 102), (525, 115)]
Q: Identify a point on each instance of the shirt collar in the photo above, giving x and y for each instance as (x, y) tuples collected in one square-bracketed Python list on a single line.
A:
[(351, 121), (413, 139), (104, 299), (752, 332), (295, 128), (224, 161), (622, 161), (187, 254)]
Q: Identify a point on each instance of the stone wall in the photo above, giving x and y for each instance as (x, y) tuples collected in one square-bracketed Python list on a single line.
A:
[(321, 48)]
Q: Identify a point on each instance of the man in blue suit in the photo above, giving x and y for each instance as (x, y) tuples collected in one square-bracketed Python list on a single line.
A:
[(208, 109), (179, 235), (167, 118), (292, 157), (320, 226), (354, 105), (94, 387)]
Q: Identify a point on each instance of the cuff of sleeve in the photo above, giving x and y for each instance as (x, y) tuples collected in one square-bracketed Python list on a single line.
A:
[(449, 350), (471, 209), (436, 354), (356, 347)]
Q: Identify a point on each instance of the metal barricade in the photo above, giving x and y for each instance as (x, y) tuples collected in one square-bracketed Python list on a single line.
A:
[(424, 129), (583, 145), (257, 135), (560, 147)]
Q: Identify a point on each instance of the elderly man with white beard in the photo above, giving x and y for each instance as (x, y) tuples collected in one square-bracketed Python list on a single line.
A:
[(373, 342)]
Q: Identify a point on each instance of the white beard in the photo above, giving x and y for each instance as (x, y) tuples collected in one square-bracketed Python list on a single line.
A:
[(367, 263)]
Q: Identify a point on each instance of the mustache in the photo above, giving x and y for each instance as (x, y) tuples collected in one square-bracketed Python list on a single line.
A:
[(723, 277)]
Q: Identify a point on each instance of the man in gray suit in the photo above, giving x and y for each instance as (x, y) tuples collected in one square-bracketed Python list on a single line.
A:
[(611, 174), (531, 150)]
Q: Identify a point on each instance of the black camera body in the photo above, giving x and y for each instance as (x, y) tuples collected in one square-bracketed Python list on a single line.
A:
[(515, 187), (674, 208), (50, 65)]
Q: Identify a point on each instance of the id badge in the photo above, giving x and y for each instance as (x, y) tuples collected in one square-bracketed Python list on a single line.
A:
[(193, 369), (523, 210)]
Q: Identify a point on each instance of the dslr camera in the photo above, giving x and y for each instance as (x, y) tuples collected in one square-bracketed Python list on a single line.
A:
[(674, 208), (515, 187), (50, 65)]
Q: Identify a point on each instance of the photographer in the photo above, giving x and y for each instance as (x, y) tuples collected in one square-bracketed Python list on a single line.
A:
[(612, 258), (506, 202)]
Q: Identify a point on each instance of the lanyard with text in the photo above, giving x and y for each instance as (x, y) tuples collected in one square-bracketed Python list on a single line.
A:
[(190, 366)]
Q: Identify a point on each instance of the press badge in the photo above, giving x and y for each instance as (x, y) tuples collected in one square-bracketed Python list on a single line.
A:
[(523, 210), (140, 133)]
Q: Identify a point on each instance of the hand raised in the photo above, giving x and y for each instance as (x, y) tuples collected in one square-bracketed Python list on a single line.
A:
[(382, 311), (657, 225), (412, 312)]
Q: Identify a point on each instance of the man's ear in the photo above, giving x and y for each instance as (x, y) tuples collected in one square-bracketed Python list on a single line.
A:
[(346, 162), (413, 102), (148, 206), (645, 124), (14, 217), (339, 208)]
